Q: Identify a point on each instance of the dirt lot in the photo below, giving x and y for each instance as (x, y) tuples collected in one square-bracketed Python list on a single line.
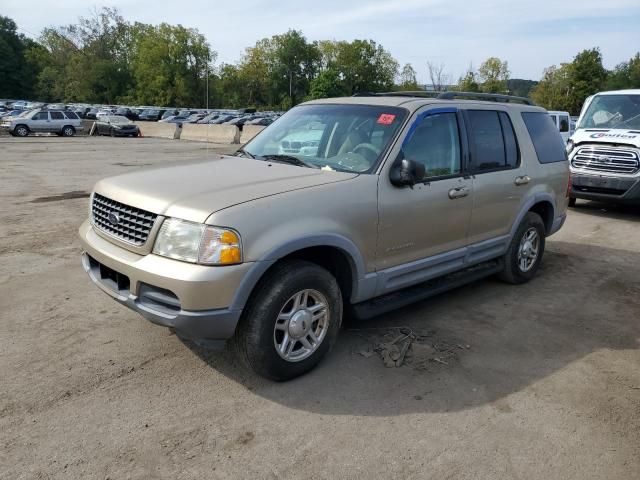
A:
[(540, 381)]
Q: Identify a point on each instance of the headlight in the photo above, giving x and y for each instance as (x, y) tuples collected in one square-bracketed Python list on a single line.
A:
[(569, 146), (198, 243)]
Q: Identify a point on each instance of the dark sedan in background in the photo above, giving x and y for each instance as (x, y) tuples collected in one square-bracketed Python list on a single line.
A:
[(116, 126)]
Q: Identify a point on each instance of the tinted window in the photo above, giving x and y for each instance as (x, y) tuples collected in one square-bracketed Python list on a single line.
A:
[(436, 144), (487, 140), (564, 124), (71, 115), (56, 115), (41, 116), (545, 137), (511, 150)]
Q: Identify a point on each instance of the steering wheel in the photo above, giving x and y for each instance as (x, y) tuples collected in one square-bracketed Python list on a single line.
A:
[(368, 151)]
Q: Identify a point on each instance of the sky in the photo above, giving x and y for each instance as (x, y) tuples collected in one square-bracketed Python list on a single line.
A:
[(529, 35)]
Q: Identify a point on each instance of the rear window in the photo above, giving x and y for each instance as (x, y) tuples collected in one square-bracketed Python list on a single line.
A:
[(546, 139), (493, 141)]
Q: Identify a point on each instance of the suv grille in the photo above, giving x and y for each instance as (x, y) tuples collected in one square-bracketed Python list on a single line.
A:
[(129, 224), (610, 160)]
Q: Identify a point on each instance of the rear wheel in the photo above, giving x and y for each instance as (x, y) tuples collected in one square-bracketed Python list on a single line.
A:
[(21, 131), (68, 131), (522, 260), (291, 321)]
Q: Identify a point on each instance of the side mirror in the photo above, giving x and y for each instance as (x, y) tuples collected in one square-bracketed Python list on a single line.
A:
[(405, 172)]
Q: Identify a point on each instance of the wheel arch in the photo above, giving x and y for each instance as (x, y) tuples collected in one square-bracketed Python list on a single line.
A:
[(543, 205), (335, 253)]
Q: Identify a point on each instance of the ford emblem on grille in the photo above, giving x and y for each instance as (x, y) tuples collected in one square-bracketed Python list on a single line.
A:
[(114, 218), (604, 159)]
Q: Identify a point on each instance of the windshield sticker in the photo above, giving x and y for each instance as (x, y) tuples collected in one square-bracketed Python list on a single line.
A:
[(386, 119), (612, 135)]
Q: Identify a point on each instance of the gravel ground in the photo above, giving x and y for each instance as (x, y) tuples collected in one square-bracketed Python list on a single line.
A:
[(539, 381)]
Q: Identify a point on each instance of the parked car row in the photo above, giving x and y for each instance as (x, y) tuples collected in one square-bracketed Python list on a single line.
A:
[(239, 117)]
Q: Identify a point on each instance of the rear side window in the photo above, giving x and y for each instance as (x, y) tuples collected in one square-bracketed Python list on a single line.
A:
[(545, 137), (493, 141), (71, 115), (56, 115), (564, 124)]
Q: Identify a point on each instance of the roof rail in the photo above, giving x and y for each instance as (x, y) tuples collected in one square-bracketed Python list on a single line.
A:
[(493, 97)]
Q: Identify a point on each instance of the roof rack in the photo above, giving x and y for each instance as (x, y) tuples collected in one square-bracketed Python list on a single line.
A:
[(492, 97)]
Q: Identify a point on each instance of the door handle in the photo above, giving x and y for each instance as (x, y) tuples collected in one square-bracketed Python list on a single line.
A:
[(458, 192), (523, 180)]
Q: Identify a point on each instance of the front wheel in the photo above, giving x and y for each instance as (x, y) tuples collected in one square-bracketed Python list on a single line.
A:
[(21, 131), (572, 202), (523, 258), (291, 321)]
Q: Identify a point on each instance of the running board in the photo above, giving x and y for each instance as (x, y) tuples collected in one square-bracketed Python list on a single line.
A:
[(407, 296)]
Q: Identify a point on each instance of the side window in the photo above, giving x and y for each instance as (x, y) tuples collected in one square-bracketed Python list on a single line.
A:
[(41, 116), (56, 115), (436, 144), (487, 140), (511, 150), (545, 137), (564, 124), (71, 115)]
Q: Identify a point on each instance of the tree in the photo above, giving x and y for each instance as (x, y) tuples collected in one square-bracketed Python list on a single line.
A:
[(469, 81), (586, 77), (439, 80), (408, 80), (493, 75), (625, 75), (17, 74), (554, 90), (326, 85)]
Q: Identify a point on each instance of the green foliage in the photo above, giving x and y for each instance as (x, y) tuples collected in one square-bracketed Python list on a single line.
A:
[(17, 74), (408, 78), (566, 87), (625, 75), (493, 75), (105, 59)]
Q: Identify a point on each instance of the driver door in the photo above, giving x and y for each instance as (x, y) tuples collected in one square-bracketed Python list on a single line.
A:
[(423, 230)]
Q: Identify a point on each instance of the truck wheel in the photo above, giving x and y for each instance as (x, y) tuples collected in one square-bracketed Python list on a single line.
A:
[(21, 131), (291, 321), (68, 131), (523, 258), (572, 202)]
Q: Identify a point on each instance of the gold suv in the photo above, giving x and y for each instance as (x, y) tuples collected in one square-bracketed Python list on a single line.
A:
[(358, 205)]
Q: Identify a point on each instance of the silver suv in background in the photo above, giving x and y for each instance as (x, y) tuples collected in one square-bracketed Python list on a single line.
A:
[(64, 123), (358, 205)]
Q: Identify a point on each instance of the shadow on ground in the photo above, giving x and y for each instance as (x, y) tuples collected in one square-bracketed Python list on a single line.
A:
[(584, 299), (609, 210)]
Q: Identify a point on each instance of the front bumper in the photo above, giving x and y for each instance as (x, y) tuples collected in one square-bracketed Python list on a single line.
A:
[(192, 299), (605, 188)]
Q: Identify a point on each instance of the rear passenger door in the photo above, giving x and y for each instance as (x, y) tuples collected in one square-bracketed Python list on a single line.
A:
[(57, 121), (500, 182)]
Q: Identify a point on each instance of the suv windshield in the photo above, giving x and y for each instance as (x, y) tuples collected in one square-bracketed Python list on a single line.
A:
[(612, 111), (349, 138)]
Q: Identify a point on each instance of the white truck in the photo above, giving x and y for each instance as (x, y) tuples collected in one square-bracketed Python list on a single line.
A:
[(562, 121), (604, 152)]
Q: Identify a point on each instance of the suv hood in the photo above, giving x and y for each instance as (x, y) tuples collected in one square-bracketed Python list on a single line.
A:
[(194, 191), (607, 135)]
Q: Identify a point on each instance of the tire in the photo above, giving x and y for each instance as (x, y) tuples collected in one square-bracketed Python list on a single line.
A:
[(515, 259), (68, 131), (572, 202), (264, 326), (21, 131)]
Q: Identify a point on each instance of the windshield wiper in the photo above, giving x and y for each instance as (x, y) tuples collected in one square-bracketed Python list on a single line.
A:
[(291, 160), (244, 152)]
